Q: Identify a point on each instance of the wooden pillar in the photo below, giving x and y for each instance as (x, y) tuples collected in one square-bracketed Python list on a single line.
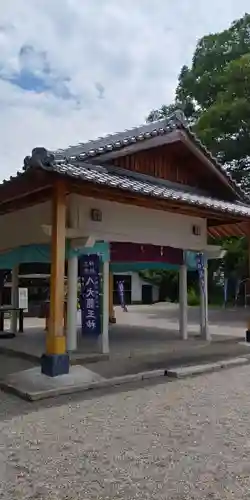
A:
[(56, 361), (112, 318)]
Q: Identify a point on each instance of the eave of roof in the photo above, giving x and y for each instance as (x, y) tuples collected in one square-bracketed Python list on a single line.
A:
[(114, 177), (95, 149)]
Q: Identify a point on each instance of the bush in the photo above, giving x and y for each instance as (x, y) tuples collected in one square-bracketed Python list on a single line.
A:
[(171, 300), (193, 297)]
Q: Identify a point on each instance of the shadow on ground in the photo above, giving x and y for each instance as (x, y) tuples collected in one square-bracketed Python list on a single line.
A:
[(11, 406), (218, 316)]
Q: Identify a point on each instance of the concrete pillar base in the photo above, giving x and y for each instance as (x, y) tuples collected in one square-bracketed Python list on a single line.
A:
[(53, 365)]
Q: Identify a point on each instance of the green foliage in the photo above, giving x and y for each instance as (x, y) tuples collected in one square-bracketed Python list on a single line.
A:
[(168, 281), (235, 262), (158, 114), (214, 94), (193, 297)]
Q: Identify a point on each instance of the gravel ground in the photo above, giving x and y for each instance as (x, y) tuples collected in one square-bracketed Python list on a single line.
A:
[(181, 440)]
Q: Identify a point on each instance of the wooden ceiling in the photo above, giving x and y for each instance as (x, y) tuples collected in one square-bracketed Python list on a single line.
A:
[(239, 229)]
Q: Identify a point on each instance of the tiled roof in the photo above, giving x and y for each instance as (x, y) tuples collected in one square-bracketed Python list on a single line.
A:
[(118, 141), (114, 177)]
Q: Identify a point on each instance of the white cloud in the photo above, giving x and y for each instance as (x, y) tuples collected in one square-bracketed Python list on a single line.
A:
[(114, 60)]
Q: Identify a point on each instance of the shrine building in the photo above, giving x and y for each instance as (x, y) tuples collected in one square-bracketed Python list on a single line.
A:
[(151, 194)]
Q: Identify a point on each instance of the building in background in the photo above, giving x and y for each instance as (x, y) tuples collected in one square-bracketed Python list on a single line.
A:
[(137, 290)]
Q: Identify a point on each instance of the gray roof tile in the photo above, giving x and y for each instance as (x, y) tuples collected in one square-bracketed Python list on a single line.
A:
[(96, 148), (118, 140), (147, 187)]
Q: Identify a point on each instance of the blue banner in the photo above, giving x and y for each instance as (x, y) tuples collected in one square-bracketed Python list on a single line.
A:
[(90, 294), (200, 268)]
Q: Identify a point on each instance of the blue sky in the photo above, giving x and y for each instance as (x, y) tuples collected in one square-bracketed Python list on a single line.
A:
[(71, 70)]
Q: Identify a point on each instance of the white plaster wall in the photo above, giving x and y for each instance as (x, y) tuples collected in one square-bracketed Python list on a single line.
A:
[(136, 294), (155, 293), (24, 227), (121, 222), (136, 287)]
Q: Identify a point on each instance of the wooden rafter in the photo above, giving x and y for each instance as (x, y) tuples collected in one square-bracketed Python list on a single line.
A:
[(227, 230)]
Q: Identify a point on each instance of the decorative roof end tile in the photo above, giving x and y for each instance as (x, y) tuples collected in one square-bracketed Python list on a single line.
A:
[(39, 157)]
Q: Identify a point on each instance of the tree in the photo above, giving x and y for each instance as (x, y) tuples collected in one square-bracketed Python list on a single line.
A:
[(214, 94), (236, 258), (157, 114)]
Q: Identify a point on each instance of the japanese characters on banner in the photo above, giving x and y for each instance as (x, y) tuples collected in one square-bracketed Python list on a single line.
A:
[(200, 268), (90, 294)]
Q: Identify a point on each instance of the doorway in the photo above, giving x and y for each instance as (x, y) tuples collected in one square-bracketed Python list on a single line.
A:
[(147, 294)]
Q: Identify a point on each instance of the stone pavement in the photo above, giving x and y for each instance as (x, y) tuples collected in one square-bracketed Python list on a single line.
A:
[(13, 364), (165, 316), (143, 331), (144, 339), (185, 440), (178, 354)]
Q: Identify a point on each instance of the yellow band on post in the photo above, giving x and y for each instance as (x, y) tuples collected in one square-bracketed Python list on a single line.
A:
[(55, 345)]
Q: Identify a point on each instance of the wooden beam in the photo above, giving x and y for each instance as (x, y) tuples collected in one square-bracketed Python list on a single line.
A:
[(29, 200), (24, 184), (55, 342), (215, 222), (208, 163)]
